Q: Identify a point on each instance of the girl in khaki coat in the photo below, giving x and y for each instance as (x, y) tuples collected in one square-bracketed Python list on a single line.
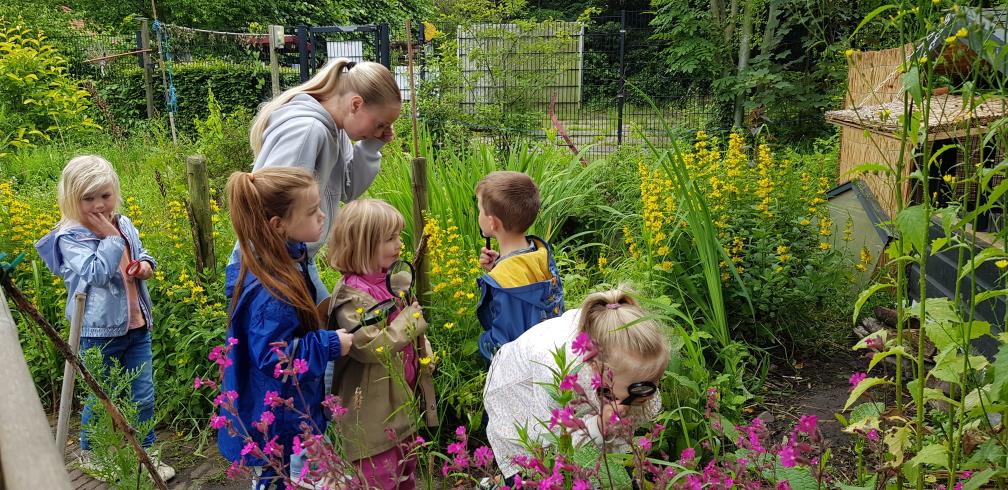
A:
[(377, 380)]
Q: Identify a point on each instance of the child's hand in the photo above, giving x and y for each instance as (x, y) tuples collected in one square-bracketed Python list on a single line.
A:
[(99, 224), (345, 340), (414, 310), (144, 273), (388, 134), (487, 258)]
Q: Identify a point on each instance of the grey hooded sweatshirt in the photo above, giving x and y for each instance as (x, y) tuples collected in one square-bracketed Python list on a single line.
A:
[(301, 133)]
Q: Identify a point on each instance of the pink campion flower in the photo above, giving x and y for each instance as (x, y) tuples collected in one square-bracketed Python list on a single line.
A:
[(958, 486), (807, 424), (787, 455), (235, 471), (445, 469), (231, 395), (563, 416), (267, 418), (278, 370), (965, 475), (596, 381), (272, 448), (272, 399), (857, 378), (461, 460), (874, 342), (687, 456), (197, 383), (455, 448), (300, 366), (296, 446), (250, 448), (483, 456), (231, 341), (783, 485), (645, 443), (217, 421), (580, 484), (333, 403), (419, 441), (693, 482), (873, 435), (460, 431), (569, 383), (583, 346)]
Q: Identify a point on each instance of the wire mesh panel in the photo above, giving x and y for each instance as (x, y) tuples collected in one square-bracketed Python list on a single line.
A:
[(327, 44)]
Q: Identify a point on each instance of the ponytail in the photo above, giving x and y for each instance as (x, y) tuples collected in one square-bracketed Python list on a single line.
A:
[(623, 334), (372, 81), (254, 198)]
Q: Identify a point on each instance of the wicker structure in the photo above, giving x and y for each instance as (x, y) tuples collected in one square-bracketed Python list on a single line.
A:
[(871, 131)]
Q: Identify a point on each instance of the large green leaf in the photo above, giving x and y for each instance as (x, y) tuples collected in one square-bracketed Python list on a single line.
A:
[(978, 260), (932, 455), (1000, 372), (911, 222), (978, 479), (879, 356), (797, 478), (863, 297), (929, 394), (863, 386)]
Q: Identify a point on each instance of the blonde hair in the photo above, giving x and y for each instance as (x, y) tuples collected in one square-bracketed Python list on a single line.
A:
[(254, 198), (83, 175), (626, 339), (358, 230), (511, 197), (372, 81)]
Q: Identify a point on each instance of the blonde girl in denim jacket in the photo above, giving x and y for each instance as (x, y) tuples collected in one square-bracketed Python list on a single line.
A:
[(98, 252)]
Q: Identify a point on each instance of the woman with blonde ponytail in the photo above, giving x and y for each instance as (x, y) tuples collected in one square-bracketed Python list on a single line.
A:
[(624, 352), (274, 211), (314, 126)]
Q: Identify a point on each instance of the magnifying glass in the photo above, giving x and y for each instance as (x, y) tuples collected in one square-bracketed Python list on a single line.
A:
[(399, 281), (133, 268), (636, 391), (485, 238)]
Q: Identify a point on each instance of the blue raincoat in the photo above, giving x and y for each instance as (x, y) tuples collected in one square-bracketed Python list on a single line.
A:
[(259, 319), (519, 292)]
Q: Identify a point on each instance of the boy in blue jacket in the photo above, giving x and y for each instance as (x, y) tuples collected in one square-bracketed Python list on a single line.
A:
[(522, 285)]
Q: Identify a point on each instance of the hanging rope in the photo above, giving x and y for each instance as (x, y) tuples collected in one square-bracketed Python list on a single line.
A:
[(164, 51)]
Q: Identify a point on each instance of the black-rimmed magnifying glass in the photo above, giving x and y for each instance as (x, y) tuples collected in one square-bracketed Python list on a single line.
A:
[(636, 391)]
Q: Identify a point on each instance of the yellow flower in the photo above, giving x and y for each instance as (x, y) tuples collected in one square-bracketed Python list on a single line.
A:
[(778, 269), (380, 349), (602, 261), (782, 249), (804, 222), (1001, 264), (424, 360), (449, 326), (849, 52), (824, 246), (666, 265), (949, 179), (962, 32), (951, 40), (923, 60), (416, 315), (360, 311)]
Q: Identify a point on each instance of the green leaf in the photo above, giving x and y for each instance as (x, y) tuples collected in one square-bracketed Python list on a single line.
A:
[(871, 15), (1000, 371), (863, 386), (897, 441), (911, 223), (978, 479), (929, 394), (863, 297), (932, 455), (868, 167), (978, 260), (912, 84), (986, 295), (799, 478), (866, 410), (879, 356), (869, 484)]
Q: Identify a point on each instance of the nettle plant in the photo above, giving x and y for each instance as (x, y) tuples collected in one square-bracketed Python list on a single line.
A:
[(943, 426)]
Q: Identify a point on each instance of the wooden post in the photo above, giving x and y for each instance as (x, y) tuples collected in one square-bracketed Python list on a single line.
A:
[(200, 214), (67, 393), (147, 66), (276, 41)]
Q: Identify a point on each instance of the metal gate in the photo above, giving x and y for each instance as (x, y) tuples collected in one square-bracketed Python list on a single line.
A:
[(318, 45)]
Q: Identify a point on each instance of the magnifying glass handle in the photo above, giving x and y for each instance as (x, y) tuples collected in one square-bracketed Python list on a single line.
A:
[(487, 242)]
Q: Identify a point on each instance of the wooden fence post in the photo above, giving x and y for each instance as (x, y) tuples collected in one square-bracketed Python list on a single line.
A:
[(67, 391), (147, 68), (200, 213), (276, 41)]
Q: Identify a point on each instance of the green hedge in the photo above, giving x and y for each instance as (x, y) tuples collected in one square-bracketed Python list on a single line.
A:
[(233, 85)]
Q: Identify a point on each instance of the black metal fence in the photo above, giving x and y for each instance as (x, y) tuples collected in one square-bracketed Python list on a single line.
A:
[(501, 78)]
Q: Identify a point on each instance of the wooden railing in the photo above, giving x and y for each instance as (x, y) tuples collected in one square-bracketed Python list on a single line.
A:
[(29, 458)]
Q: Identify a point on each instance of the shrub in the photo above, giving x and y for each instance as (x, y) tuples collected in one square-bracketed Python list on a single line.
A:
[(37, 99)]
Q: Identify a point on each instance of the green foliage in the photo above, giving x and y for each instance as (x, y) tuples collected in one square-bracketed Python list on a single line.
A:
[(684, 28), (113, 458), (38, 101), (235, 86), (223, 139)]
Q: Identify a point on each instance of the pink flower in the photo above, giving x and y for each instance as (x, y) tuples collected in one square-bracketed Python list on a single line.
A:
[(787, 456), (445, 469), (235, 471), (272, 448), (563, 416), (455, 448), (296, 445), (300, 366), (278, 370), (231, 341), (687, 455), (580, 484), (783, 485), (873, 342), (250, 448), (333, 404), (460, 431), (483, 456), (272, 399), (198, 383), (583, 346), (857, 378), (569, 383), (807, 424), (419, 441), (596, 381), (645, 443), (873, 435), (217, 421)]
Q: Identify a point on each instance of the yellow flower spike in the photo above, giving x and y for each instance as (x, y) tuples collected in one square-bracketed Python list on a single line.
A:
[(470, 296), (923, 60), (380, 349), (951, 40), (962, 32), (824, 246), (1001, 264), (849, 52)]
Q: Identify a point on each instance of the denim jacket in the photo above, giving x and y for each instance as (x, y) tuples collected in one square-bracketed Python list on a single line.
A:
[(90, 265)]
